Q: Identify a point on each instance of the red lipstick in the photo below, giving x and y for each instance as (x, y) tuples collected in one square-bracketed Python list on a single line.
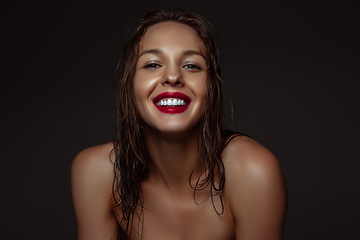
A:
[(172, 109)]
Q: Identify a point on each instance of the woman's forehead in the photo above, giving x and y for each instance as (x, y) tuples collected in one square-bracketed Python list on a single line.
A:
[(171, 35)]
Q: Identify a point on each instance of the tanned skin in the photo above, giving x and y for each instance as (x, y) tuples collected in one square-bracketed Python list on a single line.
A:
[(254, 196)]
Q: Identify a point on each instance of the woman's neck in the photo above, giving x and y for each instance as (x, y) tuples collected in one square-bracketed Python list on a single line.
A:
[(174, 158)]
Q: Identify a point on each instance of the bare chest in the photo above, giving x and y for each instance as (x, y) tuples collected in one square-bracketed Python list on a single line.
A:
[(169, 218)]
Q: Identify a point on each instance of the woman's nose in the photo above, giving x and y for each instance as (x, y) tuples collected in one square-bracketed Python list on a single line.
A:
[(172, 77)]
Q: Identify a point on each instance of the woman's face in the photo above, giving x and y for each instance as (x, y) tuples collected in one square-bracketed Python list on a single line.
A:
[(170, 82)]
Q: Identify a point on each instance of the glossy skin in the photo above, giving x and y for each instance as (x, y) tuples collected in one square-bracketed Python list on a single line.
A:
[(254, 194), (171, 60)]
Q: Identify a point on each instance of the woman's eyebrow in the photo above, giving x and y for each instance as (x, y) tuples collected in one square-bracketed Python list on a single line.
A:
[(192, 52), (155, 51), (158, 51)]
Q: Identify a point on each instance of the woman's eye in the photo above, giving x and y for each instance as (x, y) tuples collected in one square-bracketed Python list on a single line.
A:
[(192, 67), (152, 65)]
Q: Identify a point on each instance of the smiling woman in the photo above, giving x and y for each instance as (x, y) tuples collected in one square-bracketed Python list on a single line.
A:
[(173, 172), (178, 72)]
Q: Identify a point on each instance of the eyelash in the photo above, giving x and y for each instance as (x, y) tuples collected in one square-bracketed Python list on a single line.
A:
[(152, 65), (190, 66)]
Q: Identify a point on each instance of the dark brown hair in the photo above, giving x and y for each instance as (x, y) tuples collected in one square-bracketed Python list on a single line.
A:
[(132, 163)]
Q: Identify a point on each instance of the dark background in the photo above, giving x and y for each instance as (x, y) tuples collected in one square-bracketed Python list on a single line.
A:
[(291, 69)]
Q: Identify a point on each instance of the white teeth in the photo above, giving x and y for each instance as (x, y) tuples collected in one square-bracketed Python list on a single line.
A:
[(171, 102)]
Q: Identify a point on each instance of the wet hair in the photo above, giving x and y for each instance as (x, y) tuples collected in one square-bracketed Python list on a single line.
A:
[(132, 162)]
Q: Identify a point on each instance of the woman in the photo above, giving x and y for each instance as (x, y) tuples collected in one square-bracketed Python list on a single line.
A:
[(173, 173)]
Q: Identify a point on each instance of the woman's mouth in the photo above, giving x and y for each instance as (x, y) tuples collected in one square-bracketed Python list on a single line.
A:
[(172, 102)]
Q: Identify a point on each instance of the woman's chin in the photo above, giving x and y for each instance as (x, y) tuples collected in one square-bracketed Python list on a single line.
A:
[(174, 131)]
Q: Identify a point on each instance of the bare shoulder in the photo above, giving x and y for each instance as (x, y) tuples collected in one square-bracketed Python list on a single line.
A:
[(92, 172), (92, 160), (248, 162), (92, 169), (245, 154), (91, 184), (255, 189)]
